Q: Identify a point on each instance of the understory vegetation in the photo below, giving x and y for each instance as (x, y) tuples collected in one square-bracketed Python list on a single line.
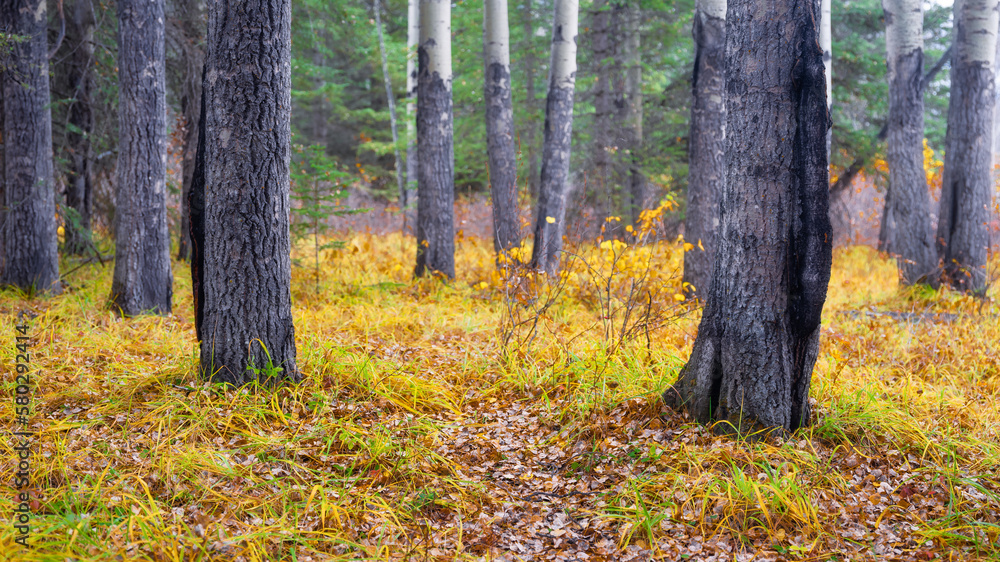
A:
[(503, 417)]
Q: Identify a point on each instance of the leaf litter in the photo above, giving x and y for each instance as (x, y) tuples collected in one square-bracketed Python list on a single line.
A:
[(413, 436)]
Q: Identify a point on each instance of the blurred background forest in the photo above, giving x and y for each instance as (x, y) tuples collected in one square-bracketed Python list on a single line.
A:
[(340, 104)]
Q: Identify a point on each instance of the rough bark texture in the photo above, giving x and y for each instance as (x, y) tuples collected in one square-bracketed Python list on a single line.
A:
[(436, 160), (79, 190), (142, 280), (550, 222), (906, 220), (247, 324), (604, 180), (752, 361), (967, 188), (192, 35), (500, 127), (706, 145), (29, 207)]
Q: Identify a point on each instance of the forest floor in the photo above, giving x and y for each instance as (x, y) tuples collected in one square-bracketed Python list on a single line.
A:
[(495, 418)]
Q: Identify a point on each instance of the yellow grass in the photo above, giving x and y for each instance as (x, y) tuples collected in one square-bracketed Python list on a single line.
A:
[(416, 435)]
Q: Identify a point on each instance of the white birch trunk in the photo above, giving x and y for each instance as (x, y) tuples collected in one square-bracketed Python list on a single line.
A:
[(826, 43), (551, 219), (500, 125), (412, 36), (436, 159)]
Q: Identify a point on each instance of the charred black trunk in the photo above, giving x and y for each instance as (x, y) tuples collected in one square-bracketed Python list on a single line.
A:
[(196, 208), (435, 173), (503, 163), (752, 362), (28, 208), (706, 150), (142, 280), (247, 331)]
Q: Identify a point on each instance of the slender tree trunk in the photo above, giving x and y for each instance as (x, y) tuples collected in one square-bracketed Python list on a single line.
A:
[(550, 224), (639, 192), (603, 180), (907, 214), (500, 126), (196, 207), (29, 207), (142, 280), (707, 144), (753, 359), (247, 330), (391, 100), (436, 161), (529, 148), (408, 198), (194, 64), (963, 224), (826, 43), (78, 178)]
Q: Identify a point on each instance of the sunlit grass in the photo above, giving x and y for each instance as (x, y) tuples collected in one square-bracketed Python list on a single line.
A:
[(135, 456)]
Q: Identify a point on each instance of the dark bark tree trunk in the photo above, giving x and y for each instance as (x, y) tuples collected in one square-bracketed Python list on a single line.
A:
[(247, 331), (436, 158), (707, 144), (80, 34), (907, 214), (500, 127), (196, 208), (604, 181), (963, 224), (640, 195), (550, 221), (193, 33), (29, 207), (529, 149), (142, 280), (753, 359)]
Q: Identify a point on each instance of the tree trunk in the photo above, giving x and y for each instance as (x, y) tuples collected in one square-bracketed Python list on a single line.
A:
[(247, 330), (753, 359), (707, 143), (500, 126), (29, 207), (194, 65), (196, 206), (529, 149), (603, 179), (639, 192), (907, 214), (78, 179), (963, 224), (142, 280), (391, 100), (436, 160), (412, 37), (552, 193), (826, 43)]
